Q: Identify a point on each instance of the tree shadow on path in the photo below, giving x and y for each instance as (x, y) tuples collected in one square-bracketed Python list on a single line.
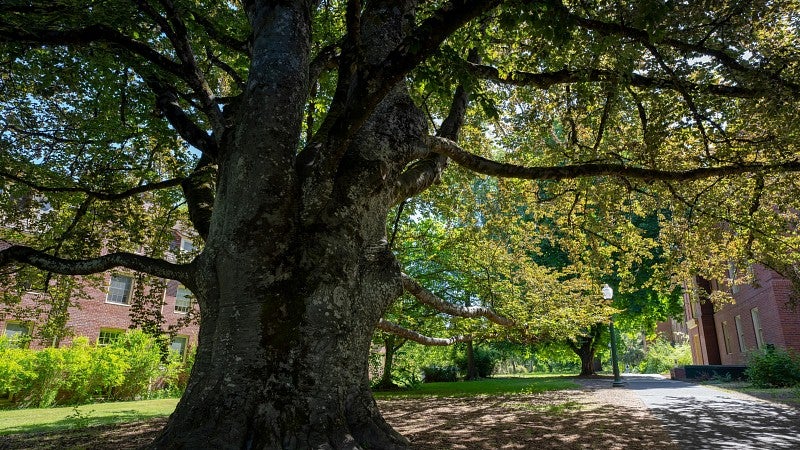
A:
[(554, 420)]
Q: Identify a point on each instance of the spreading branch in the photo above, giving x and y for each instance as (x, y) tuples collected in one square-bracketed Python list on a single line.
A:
[(427, 171), (545, 80), (485, 166), (199, 190), (427, 297), (152, 266), (97, 195), (357, 98), (88, 35), (688, 48), (412, 335)]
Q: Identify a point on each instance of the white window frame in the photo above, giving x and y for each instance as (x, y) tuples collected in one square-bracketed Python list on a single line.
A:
[(186, 243), (184, 347), (183, 308), (757, 327), (726, 337), (740, 333), (110, 297)]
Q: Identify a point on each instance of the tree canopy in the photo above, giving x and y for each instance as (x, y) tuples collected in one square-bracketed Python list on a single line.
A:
[(284, 133)]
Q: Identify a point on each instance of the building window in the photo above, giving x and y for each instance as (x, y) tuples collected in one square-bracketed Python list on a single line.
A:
[(183, 300), (108, 336), (740, 333), (726, 338), (18, 333), (186, 245), (119, 290), (757, 327), (178, 345)]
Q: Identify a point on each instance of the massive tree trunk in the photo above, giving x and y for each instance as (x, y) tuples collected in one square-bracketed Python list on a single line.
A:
[(296, 270)]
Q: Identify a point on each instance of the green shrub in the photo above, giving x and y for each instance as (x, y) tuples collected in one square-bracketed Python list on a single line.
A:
[(773, 367), (661, 356), (17, 369), (432, 374), (485, 362), (128, 369)]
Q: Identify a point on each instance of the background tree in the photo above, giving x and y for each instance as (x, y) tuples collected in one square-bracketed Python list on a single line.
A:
[(290, 130)]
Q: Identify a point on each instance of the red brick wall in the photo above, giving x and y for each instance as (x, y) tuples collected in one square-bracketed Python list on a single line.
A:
[(94, 314), (779, 323)]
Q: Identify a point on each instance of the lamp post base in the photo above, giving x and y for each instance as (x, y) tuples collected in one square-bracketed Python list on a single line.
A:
[(617, 383)]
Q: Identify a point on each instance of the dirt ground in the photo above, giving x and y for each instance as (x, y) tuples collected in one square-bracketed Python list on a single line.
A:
[(593, 417)]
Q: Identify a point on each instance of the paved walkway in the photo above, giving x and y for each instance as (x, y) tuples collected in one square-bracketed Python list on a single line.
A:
[(699, 417)]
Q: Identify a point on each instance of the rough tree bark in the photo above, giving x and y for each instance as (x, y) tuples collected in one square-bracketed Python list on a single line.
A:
[(296, 271)]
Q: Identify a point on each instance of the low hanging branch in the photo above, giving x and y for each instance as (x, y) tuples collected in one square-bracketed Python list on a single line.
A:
[(427, 297), (412, 335), (493, 168), (50, 263)]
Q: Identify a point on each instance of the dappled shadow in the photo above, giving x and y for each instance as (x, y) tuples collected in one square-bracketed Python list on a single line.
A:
[(87, 418), (730, 424), (105, 437), (700, 417), (562, 420)]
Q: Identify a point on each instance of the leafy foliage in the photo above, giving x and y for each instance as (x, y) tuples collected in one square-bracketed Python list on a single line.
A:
[(485, 362), (437, 374), (661, 356), (129, 368), (773, 367)]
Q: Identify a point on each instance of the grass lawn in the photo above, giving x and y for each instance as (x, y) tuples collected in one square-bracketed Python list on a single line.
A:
[(788, 396), (66, 417), (34, 420), (490, 386)]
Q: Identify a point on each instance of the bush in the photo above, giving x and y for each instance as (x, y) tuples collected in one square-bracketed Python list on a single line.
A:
[(661, 356), (432, 374), (485, 361), (773, 367), (131, 368)]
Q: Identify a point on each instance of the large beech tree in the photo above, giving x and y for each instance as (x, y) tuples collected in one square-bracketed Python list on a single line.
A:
[(313, 119)]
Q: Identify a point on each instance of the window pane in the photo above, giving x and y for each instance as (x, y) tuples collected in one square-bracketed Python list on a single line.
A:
[(757, 327), (16, 329), (740, 333), (178, 345), (119, 290), (186, 245), (183, 300), (108, 336)]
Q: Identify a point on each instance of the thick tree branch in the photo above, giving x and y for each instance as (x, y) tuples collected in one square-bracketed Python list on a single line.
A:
[(423, 173), (173, 27), (427, 297), (412, 335), (545, 80), (167, 102), (365, 88), (105, 196), (493, 168), (91, 34), (199, 190), (614, 29), (426, 38), (233, 43), (43, 261)]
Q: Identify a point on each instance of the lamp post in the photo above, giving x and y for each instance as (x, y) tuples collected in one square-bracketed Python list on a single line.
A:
[(608, 294)]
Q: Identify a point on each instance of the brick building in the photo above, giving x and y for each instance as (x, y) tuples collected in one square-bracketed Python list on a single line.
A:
[(762, 313), (105, 309)]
